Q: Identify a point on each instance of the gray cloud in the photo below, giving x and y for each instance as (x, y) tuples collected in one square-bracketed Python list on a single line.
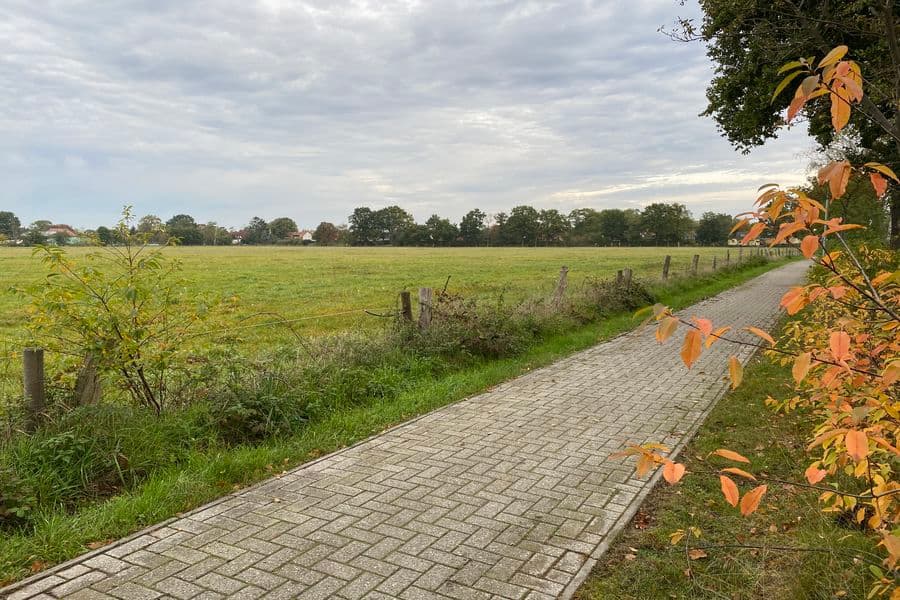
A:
[(229, 109)]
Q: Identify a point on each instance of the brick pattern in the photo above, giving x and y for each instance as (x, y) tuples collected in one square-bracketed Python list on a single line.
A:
[(510, 494)]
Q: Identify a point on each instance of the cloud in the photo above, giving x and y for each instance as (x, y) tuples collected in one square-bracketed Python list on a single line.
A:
[(309, 108)]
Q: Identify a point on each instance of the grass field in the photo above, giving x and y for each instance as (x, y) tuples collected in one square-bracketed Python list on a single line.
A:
[(299, 282)]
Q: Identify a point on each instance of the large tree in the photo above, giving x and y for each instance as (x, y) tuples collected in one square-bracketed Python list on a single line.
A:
[(365, 230), (749, 41), (472, 229), (713, 229), (396, 225), (522, 227), (282, 227), (666, 224), (257, 232), (326, 234), (185, 229), (9, 225)]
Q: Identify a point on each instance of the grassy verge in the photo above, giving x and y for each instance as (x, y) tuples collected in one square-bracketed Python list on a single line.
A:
[(643, 564), (57, 533)]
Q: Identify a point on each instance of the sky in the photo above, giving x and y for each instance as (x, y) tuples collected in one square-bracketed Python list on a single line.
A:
[(229, 109)]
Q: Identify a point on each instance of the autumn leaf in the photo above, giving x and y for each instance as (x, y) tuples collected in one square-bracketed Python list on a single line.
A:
[(673, 472), (691, 348), (750, 501), (666, 328), (729, 490), (840, 113), (731, 455), (883, 170), (801, 366), (839, 344), (696, 554), (739, 473), (761, 334), (891, 373), (879, 183), (809, 245), (837, 174), (704, 325), (753, 233), (832, 57), (857, 444), (814, 474), (735, 371), (715, 335)]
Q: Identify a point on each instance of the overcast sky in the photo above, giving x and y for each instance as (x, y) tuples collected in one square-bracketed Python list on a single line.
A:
[(230, 109)]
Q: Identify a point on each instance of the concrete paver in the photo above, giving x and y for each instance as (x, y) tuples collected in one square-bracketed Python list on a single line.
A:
[(510, 494)]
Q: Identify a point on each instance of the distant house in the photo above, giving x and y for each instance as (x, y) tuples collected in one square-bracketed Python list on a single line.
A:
[(237, 236), (304, 235), (71, 236)]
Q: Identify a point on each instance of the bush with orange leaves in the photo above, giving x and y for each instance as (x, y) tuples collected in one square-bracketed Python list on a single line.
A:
[(844, 351)]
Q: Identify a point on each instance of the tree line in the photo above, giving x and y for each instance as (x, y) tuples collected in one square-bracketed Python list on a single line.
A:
[(657, 224)]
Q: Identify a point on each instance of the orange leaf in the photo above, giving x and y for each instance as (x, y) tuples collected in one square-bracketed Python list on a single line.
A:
[(704, 325), (832, 57), (739, 472), (691, 348), (729, 490), (879, 183), (814, 474), (840, 112), (697, 554), (666, 328), (891, 372), (787, 230), (754, 232), (735, 371), (730, 455), (809, 245), (801, 366), (857, 444), (760, 333), (750, 501), (673, 472), (839, 343), (837, 174), (715, 335)]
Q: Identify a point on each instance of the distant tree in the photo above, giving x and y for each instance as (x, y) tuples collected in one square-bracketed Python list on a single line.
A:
[(522, 227), (666, 224), (213, 235), (257, 232), (281, 228), (61, 238), (396, 225), (552, 227), (326, 234), (154, 228), (9, 225), (612, 225), (472, 229), (494, 232), (713, 229), (105, 236), (185, 229), (343, 235), (365, 229), (441, 232), (34, 234), (584, 227)]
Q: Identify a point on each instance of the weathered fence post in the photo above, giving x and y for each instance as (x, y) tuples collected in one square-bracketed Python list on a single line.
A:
[(87, 385), (666, 264), (694, 262), (728, 257), (425, 297), (405, 306), (619, 277), (561, 287), (35, 394), (626, 277), (714, 263)]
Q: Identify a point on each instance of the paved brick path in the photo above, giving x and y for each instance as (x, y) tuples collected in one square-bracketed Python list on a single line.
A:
[(509, 494)]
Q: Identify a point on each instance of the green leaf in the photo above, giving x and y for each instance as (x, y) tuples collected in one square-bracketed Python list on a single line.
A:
[(784, 83), (794, 64)]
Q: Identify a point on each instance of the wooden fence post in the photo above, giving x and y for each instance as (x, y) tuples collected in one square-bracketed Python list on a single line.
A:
[(694, 263), (87, 385), (425, 297), (619, 277), (35, 394), (728, 256), (714, 263), (626, 277), (666, 264), (405, 306), (561, 287)]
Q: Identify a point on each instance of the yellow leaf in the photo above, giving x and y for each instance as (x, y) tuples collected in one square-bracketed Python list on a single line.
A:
[(784, 83), (715, 335), (801, 366), (750, 501), (731, 455), (729, 490), (735, 371), (857, 444), (832, 57), (739, 473), (760, 333), (884, 170), (691, 348)]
